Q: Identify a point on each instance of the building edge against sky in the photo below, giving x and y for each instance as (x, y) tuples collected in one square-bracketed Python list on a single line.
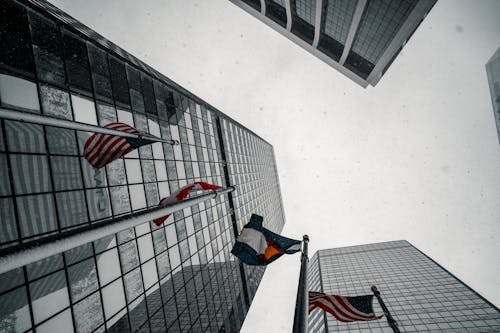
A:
[(421, 295), (179, 276), (493, 73), (357, 38)]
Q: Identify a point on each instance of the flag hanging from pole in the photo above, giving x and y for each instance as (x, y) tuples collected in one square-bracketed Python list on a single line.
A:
[(101, 149), (344, 308), (258, 246), (182, 194)]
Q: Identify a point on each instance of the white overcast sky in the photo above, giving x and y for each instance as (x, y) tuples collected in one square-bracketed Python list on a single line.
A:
[(416, 158)]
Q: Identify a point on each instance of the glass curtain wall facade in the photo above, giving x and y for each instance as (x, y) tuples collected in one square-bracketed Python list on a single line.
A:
[(360, 38), (493, 72), (420, 294), (178, 277)]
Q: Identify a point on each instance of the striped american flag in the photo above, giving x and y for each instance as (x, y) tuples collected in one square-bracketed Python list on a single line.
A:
[(344, 308), (182, 194), (101, 149)]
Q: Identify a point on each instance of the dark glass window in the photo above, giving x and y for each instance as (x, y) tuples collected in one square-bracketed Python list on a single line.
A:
[(330, 47), (134, 79), (119, 81), (161, 98), (15, 52), (149, 95), (100, 73), (8, 230), (77, 62), (358, 65), (253, 3), (303, 12), (170, 103), (47, 48), (134, 83), (276, 12)]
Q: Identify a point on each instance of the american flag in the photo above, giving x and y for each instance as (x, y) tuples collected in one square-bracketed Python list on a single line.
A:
[(344, 308), (101, 149), (181, 195)]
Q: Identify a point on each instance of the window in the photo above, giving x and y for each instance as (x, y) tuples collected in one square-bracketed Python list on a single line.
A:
[(84, 110), (8, 230), (113, 298), (71, 208), (82, 279), (137, 195), (30, 173), (88, 314), (100, 73), (76, 58), (149, 96), (47, 50), (61, 322), (15, 52), (129, 256), (108, 266), (119, 81), (99, 205), (49, 295), (18, 93)]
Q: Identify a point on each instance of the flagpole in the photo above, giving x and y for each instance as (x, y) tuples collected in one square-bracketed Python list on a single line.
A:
[(392, 323), (301, 303), (64, 123), (39, 249)]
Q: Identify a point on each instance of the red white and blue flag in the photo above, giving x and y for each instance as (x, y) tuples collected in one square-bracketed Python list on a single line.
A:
[(182, 194), (101, 149), (259, 246), (344, 308)]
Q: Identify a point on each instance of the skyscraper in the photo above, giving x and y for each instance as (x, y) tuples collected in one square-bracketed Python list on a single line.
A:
[(421, 295), (493, 72), (176, 277), (359, 38)]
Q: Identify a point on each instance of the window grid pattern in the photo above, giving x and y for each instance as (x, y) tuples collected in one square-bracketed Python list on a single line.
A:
[(380, 22), (421, 296), (176, 277), (250, 161), (337, 19), (306, 10), (280, 2)]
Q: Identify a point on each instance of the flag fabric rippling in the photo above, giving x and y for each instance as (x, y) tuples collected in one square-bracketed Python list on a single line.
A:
[(182, 194), (259, 246), (101, 149), (344, 308)]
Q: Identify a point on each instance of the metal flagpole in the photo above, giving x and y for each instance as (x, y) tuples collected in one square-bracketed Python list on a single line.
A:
[(39, 249), (301, 304), (392, 323), (64, 123)]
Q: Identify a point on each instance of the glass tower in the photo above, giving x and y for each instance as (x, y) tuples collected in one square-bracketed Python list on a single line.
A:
[(359, 38), (421, 295), (493, 72), (176, 277)]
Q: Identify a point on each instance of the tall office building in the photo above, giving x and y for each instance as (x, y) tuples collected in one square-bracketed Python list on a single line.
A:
[(359, 38), (421, 295), (493, 72), (176, 277)]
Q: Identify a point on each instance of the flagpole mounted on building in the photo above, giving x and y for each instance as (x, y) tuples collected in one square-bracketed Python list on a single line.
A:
[(392, 323), (301, 304), (39, 119)]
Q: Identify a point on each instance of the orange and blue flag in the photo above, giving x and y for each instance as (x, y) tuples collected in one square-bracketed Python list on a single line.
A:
[(259, 246)]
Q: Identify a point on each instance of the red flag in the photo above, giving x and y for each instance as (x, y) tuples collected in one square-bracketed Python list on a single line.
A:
[(344, 308), (101, 149), (181, 195)]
